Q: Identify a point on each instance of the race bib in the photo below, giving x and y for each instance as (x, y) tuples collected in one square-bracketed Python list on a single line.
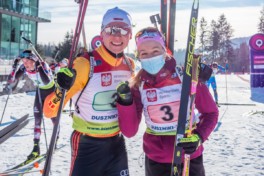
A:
[(164, 113)]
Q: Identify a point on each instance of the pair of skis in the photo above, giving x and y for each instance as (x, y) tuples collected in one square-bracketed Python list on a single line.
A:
[(13, 128), (26, 166), (29, 164), (168, 28), (78, 29), (189, 83)]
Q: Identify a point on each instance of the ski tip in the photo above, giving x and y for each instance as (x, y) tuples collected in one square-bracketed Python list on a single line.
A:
[(195, 4)]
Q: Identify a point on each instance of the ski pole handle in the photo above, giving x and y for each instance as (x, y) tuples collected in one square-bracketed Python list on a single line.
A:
[(27, 40), (33, 48)]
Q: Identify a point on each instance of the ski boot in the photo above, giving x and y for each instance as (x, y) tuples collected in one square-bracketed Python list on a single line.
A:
[(217, 104), (36, 151)]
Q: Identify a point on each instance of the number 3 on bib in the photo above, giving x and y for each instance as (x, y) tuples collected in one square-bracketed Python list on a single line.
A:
[(164, 113)]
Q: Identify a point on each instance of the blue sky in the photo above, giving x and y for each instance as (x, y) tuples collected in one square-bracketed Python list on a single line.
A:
[(243, 15)]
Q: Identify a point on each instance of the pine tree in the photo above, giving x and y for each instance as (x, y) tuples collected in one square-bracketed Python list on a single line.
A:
[(219, 40), (214, 39), (64, 47), (48, 48), (40, 50), (225, 33), (261, 21), (203, 35), (243, 57)]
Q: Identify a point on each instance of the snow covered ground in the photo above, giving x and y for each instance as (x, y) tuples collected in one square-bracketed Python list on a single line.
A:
[(235, 148)]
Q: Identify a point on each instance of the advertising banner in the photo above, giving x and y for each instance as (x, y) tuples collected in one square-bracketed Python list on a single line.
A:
[(256, 44)]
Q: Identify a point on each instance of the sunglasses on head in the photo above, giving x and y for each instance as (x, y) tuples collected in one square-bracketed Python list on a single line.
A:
[(113, 30), (149, 32), (25, 55)]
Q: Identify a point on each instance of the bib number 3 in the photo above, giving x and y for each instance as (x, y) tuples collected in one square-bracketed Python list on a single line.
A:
[(168, 114), (165, 113)]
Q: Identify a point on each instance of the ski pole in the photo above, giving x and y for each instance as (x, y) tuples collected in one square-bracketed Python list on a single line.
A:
[(45, 134), (219, 123), (71, 111), (226, 84), (9, 92), (43, 121), (33, 48), (56, 55), (84, 38)]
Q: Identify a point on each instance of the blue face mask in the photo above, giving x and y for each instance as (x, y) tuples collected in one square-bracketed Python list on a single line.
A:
[(154, 64)]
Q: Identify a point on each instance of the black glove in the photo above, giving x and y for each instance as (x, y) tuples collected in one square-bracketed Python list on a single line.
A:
[(190, 144), (205, 72), (38, 64), (16, 61), (123, 94), (66, 78)]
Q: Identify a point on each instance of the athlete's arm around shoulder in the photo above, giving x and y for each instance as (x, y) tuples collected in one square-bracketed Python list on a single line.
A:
[(205, 104), (129, 117), (82, 68)]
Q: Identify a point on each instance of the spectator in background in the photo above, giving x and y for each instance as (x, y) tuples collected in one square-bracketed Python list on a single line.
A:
[(212, 81)]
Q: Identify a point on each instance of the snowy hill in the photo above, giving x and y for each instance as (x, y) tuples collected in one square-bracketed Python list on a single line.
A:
[(235, 148), (237, 41)]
